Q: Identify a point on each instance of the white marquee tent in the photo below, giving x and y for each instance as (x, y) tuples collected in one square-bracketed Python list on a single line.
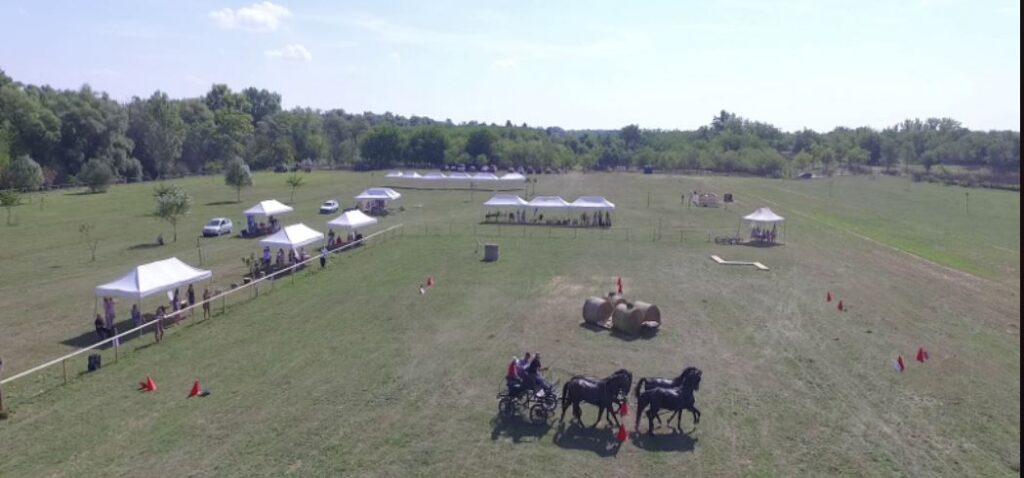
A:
[(292, 237), (458, 175), (411, 175), (435, 176), (153, 278), (394, 174), (353, 220), (485, 177), (548, 202), (271, 207), (513, 177), (505, 201), (385, 194), (764, 216), (593, 203)]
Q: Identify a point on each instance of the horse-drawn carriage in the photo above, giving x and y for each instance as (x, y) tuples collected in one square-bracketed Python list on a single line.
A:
[(514, 397)]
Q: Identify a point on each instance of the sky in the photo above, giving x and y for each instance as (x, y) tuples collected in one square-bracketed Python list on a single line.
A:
[(576, 64)]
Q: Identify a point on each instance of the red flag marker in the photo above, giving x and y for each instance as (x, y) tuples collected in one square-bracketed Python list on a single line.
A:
[(922, 355), (430, 281), (898, 363), (828, 297), (196, 390), (618, 283), (148, 385), (624, 409), (840, 307), (621, 435)]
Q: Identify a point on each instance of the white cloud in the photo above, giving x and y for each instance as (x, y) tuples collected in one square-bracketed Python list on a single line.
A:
[(195, 80), (395, 57), (258, 17), (293, 51), (505, 64)]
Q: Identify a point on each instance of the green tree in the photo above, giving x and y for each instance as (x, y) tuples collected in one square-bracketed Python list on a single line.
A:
[(382, 147), (631, 136), (262, 103), (8, 199), (294, 181), (172, 204), (156, 127), (480, 142), (85, 230), (97, 175), (426, 146), (238, 176), (23, 174)]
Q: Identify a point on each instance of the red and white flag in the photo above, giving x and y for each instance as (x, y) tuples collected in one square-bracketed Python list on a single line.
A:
[(898, 363), (922, 355)]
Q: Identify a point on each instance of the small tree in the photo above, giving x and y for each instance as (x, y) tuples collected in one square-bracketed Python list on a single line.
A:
[(8, 199), (238, 176), (295, 181), (97, 175), (172, 203), (23, 174), (85, 230)]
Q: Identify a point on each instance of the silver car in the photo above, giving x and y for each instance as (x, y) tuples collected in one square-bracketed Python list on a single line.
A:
[(217, 226)]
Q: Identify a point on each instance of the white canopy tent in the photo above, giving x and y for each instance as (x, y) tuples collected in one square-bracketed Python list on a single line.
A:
[(513, 177), (270, 207), (505, 201), (411, 175), (460, 176), (548, 202), (352, 220), (434, 176), (394, 174), (153, 278), (485, 177), (593, 203), (764, 216), (386, 194), (292, 237)]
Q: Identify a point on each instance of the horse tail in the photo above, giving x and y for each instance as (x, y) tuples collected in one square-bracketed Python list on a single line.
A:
[(641, 404), (565, 392), (639, 385)]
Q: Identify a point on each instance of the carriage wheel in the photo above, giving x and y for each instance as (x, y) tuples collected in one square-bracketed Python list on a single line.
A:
[(507, 407), (539, 414)]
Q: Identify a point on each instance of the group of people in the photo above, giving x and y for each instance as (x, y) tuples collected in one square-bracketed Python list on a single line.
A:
[(294, 257), (763, 235), (335, 241), (526, 373), (261, 228), (106, 327)]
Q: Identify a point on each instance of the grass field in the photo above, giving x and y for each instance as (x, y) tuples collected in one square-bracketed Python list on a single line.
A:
[(349, 371)]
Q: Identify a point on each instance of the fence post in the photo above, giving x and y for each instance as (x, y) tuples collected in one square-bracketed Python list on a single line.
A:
[(3, 413), (115, 349), (64, 364)]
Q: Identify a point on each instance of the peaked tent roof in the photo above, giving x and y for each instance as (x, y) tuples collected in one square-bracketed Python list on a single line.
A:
[(593, 202), (412, 174), (548, 202), (485, 177), (459, 175), (434, 175), (153, 278), (295, 235), (764, 215), (513, 177), (394, 174), (379, 193), (353, 219), (505, 200), (269, 207)]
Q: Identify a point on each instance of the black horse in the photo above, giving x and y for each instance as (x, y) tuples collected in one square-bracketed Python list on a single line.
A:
[(604, 393), (676, 399), (648, 383)]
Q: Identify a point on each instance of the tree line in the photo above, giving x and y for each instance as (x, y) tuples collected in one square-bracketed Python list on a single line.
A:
[(52, 137)]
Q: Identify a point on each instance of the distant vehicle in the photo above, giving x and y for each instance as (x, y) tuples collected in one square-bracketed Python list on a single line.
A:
[(217, 226), (460, 167), (329, 206), (281, 168), (648, 169), (471, 168), (807, 175)]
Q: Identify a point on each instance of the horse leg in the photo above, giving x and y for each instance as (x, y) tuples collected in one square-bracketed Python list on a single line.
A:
[(696, 415), (650, 420), (600, 411), (565, 404)]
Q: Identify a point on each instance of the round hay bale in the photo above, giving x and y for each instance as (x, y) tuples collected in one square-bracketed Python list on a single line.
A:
[(615, 299), (625, 319), (597, 311), (649, 316)]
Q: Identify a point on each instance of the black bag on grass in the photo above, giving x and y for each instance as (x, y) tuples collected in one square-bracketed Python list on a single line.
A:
[(94, 362)]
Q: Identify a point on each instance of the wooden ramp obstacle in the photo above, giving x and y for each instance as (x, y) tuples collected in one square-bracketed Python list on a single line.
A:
[(758, 265)]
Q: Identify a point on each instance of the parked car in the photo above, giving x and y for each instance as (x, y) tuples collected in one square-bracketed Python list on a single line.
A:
[(329, 206), (281, 168), (217, 226)]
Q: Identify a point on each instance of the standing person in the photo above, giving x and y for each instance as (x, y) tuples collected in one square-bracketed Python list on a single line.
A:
[(175, 306), (108, 312), (323, 257), (158, 328), (206, 302), (101, 331), (191, 294), (136, 317)]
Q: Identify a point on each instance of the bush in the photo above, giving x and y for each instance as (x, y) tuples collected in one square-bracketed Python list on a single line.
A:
[(132, 170), (23, 174), (97, 175)]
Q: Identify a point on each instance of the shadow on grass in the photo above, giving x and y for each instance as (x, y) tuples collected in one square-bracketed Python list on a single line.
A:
[(84, 193), (616, 333), (144, 245), (221, 203), (600, 441), (675, 441), (516, 429)]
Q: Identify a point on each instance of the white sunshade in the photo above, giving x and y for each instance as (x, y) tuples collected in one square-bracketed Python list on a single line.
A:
[(513, 177), (548, 202), (270, 207), (394, 174), (596, 203), (412, 175), (387, 194), (505, 200), (764, 215), (153, 278), (292, 237), (435, 175), (485, 177), (353, 219), (460, 175)]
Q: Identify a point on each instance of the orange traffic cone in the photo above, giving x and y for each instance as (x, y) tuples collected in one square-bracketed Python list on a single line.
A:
[(840, 307), (148, 385), (196, 390), (430, 281), (828, 297), (922, 355), (621, 435), (624, 409)]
